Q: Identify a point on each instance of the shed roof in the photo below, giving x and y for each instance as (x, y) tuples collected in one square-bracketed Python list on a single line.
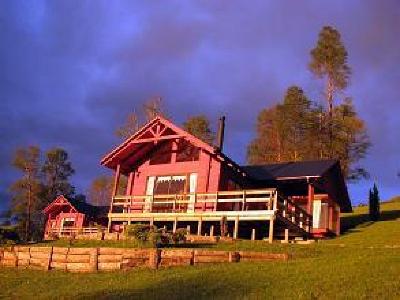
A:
[(328, 170)]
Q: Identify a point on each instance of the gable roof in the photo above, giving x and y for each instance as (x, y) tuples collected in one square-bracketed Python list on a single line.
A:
[(155, 131), (81, 207), (288, 170)]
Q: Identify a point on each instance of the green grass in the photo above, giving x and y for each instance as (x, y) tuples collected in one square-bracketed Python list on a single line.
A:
[(363, 263)]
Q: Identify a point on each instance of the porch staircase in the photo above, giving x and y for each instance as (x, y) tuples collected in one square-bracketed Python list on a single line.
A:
[(292, 217)]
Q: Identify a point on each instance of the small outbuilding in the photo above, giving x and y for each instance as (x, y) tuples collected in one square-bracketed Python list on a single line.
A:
[(65, 217)]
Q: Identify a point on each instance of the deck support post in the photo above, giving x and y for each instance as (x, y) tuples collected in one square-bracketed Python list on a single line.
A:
[(271, 231), (188, 229), (286, 235), (212, 230), (199, 224), (175, 225), (236, 229), (151, 221), (253, 234), (109, 225)]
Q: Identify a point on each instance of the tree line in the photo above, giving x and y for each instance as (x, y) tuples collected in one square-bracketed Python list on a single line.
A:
[(301, 129), (42, 179)]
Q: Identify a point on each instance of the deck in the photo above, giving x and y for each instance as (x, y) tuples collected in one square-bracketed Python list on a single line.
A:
[(237, 206)]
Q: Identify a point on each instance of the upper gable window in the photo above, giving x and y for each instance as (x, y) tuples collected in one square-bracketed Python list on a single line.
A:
[(187, 152), (162, 155)]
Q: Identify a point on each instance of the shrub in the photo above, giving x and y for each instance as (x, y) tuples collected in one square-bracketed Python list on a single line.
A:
[(179, 235), (8, 235), (140, 232)]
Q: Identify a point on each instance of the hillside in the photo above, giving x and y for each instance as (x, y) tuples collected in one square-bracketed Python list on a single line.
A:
[(363, 263)]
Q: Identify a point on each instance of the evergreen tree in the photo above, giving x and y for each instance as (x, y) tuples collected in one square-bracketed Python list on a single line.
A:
[(200, 127), (57, 170), (293, 121), (267, 145), (329, 60), (295, 130), (350, 140), (26, 190), (374, 204)]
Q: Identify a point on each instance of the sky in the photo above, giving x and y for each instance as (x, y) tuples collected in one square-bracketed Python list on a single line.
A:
[(71, 71)]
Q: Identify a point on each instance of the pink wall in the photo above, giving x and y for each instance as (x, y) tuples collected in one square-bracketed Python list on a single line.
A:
[(207, 167)]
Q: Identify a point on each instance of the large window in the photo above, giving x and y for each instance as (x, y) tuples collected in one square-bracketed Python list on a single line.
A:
[(167, 185), (171, 184)]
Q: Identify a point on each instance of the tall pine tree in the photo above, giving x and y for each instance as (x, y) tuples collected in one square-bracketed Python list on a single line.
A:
[(26, 190), (57, 170)]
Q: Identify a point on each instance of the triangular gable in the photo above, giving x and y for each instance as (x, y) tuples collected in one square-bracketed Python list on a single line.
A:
[(59, 201), (158, 129)]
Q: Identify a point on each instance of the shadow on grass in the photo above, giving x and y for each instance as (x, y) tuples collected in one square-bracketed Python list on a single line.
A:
[(349, 223), (177, 287)]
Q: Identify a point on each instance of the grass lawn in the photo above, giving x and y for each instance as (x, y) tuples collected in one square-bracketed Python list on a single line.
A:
[(362, 263)]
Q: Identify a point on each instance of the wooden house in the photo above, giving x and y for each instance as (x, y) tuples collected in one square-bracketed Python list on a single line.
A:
[(174, 179), (65, 217)]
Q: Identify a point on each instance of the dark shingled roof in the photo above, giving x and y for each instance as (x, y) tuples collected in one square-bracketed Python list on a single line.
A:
[(88, 209), (289, 169)]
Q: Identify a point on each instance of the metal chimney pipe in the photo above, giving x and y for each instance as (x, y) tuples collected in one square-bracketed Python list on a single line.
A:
[(221, 131)]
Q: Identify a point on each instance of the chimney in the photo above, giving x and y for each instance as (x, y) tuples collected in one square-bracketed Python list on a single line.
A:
[(221, 130)]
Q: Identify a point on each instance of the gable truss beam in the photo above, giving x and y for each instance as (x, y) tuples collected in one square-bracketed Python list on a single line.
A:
[(159, 138)]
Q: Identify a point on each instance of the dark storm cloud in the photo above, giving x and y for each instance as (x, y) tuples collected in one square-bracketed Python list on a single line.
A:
[(70, 71)]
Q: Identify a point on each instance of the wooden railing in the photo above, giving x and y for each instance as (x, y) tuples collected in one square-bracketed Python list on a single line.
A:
[(68, 231), (294, 213), (241, 200)]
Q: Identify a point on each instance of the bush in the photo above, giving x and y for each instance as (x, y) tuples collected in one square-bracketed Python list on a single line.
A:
[(179, 235), (140, 232), (8, 235)]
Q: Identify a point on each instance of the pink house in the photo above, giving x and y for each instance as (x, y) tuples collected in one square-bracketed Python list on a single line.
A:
[(173, 179), (65, 217)]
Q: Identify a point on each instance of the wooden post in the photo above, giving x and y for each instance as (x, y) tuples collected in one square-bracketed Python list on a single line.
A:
[(212, 230), (236, 229), (310, 198), (116, 180), (175, 225), (284, 208), (188, 229), (109, 224), (130, 184), (114, 193), (244, 200), (271, 231), (154, 258), (199, 224), (93, 259), (330, 217), (286, 235), (301, 220), (338, 221), (253, 234), (275, 204), (48, 267), (151, 221)]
